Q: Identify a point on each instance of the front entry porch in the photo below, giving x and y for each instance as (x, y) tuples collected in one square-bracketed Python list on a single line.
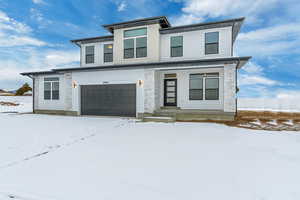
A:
[(171, 114)]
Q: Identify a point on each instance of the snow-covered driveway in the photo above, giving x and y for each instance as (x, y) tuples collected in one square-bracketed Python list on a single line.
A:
[(45, 157)]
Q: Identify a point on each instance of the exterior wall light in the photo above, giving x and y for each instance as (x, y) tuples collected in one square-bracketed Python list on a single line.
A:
[(74, 84), (140, 82)]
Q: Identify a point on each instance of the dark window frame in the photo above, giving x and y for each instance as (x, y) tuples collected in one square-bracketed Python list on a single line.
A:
[(135, 52), (211, 43), (129, 49), (89, 55), (205, 77), (176, 47), (137, 55), (193, 90), (108, 55)]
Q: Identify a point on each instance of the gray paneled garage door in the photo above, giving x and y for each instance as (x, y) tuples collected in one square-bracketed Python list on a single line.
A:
[(111, 100)]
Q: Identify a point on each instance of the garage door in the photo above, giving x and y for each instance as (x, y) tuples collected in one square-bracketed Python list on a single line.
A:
[(110, 100)]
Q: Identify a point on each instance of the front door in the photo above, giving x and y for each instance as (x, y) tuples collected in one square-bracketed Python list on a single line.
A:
[(170, 92)]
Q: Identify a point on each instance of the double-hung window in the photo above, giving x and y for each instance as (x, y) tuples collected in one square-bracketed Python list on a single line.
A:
[(212, 43), (204, 86), (51, 88), (108, 52), (135, 43), (176, 46), (89, 54), (196, 86)]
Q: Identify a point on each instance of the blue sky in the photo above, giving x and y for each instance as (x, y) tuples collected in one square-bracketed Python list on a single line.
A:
[(35, 35)]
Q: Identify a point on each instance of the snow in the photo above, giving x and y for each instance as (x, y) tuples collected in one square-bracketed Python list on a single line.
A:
[(24, 101), (268, 104), (45, 157)]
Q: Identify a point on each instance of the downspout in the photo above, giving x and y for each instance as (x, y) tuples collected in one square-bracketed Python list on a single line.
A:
[(236, 86)]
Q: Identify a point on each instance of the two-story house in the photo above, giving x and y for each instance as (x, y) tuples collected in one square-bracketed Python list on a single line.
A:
[(148, 67)]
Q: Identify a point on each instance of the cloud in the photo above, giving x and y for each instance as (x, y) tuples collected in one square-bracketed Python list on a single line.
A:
[(275, 40), (37, 16), (14, 33), (253, 75), (256, 80), (186, 19), (38, 1), (122, 6), (202, 9)]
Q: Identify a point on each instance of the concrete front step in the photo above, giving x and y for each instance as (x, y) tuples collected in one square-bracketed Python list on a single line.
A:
[(158, 119)]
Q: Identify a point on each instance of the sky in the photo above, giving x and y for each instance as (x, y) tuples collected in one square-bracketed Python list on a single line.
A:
[(35, 35)]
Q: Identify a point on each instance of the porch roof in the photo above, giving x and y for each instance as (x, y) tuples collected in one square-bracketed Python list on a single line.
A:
[(239, 61)]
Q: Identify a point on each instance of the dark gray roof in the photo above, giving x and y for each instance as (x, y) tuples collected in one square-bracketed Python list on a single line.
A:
[(235, 23), (94, 39), (240, 61), (162, 20)]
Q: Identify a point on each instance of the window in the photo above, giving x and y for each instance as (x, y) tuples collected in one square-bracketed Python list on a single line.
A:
[(51, 88), (212, 43), (108, 52), (135, 44), (135, 32), (129, 48), (141, 47), (196, 86), (177, 46), (211, 88), (89, 54), (208, 81)]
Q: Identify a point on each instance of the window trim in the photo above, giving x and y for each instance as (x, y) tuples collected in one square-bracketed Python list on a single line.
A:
[(176, 46), (108, 53), (206, 43), (205, 76), (48, 80), (134, 43), (86, 55)]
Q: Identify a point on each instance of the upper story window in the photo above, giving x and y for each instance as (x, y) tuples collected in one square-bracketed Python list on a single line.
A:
[(135, 43), (108, 52), (51, 88), (208, 81), (176, 46), (212, 43), (89, 54)]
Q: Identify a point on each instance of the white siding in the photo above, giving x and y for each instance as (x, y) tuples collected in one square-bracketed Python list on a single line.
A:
[(108, 77), (99, 57), (183, 89), (194, 44), (40, 103)]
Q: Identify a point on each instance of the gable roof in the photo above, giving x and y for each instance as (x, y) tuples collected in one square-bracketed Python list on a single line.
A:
[(162, 20)]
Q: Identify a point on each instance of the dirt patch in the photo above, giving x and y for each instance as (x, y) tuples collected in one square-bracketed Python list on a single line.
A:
[(3, 103)]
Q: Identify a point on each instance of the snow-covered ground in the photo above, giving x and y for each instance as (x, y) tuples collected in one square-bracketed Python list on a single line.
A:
[(268, 104), (24, 101), (45, 157)]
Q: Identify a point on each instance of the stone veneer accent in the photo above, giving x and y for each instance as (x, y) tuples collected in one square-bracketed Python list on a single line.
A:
[(36, 92), (149, 91), (68, 91), (230, 88)]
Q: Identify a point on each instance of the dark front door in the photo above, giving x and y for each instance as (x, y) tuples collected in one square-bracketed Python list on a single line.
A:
[(111, 100), (170, 92)]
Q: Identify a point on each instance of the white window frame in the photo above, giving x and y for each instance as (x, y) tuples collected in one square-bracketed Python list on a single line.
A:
[(51, 89), (134, 42)]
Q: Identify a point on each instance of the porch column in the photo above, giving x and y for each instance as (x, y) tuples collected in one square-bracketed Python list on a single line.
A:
[(68, 91), (149, 91), (230, 88)]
